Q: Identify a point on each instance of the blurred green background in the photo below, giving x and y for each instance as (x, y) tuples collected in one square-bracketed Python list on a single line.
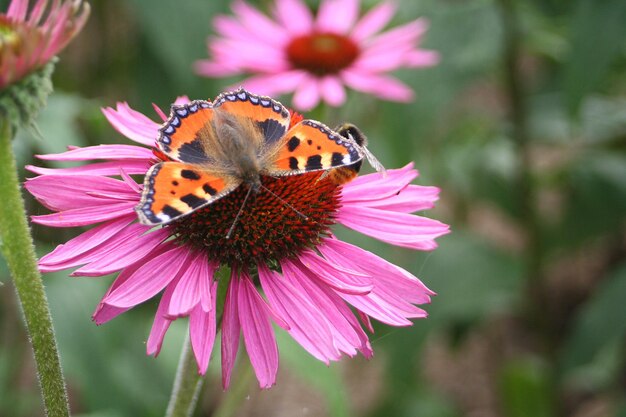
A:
[(522, 125)]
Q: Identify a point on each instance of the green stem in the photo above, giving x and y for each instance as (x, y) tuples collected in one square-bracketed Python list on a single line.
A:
[(17, 247), (186, 385)]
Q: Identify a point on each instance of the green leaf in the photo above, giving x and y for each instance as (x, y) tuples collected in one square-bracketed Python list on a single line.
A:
[(600, 321), (525, 389), (325, 378), (597, 37), (472, 278)]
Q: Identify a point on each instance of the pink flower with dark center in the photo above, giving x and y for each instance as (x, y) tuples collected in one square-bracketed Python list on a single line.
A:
[(29, 39), (285, 264), (315, 57)]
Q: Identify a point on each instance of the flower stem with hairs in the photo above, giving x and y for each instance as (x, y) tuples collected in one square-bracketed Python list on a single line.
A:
[(17, 248)]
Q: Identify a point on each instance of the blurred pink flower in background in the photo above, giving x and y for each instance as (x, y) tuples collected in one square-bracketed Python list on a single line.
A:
[(315, 57), (29, 39), (309, 278)]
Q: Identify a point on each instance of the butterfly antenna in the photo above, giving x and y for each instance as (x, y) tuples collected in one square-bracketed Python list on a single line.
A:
[(232, 227), (284, 202)]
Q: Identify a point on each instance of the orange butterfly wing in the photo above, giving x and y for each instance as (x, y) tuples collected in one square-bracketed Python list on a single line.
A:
[(271, 117), (180, 139), (312, 146), (173, 189)]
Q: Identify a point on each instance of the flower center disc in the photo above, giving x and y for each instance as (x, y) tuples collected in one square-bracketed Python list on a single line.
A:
[(322, 53), (268, 229)]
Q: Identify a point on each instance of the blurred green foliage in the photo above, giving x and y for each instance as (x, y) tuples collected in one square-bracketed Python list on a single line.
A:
[(458, 131)]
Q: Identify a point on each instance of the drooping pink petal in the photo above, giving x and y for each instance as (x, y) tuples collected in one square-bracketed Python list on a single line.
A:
[(66, 192), (307, 324), (422, 58), (105, 312), (114, 152), (87, 215), (86, 241), (188, 290), (382, 86), (231, 329), (100, 252), (332, 91), (400, 36), (260, 25), (389, 276), (17, 9), (258, 334), (132, 124), (131, 167), (373, 21), (124, 254), (346, 332), (160, 324), (294, 15), (202, 330), (148, 280), (337, 16), (399, 229), (307, 94), (272, 84), (341, 279)]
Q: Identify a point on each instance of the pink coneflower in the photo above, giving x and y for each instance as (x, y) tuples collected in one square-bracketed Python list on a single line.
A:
[(282, 243), (314, 57), (29, 39)]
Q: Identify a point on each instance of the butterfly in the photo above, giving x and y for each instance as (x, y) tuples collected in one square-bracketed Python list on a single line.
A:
[(212, 148)]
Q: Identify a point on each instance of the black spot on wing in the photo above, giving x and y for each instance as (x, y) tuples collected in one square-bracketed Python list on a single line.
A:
[(192, 200), (272, 130), (209, 190), (193, 152), (293, 163), (313, 163), (189, 174), (336, 159), (171, 212), (293, 143)]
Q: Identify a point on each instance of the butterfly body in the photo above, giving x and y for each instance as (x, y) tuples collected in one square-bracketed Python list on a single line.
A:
[(214, 147)]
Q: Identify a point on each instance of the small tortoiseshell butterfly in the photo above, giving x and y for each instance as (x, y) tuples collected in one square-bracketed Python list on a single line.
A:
[(214, 147)]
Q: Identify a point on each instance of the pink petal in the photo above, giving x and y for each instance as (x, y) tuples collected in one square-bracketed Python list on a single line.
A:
[(399, 281), (400, 36), (399, 229), (333, 91), (346, 332), (231, 329), (307, 324), (337, 16), (151, 278), (294, 15), (160, 325), (132, 124), (86, 241), (202, 330), (115, 152), (341, 279), (373, 21), (86, 216), (187, 293), (263, 28), (307, 95), (258, 334), (272, 84), (66, 192), (410, 200), (422, 58), (131, 167), (382, 86), (17, 10), (105, 312), (124, 254)]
